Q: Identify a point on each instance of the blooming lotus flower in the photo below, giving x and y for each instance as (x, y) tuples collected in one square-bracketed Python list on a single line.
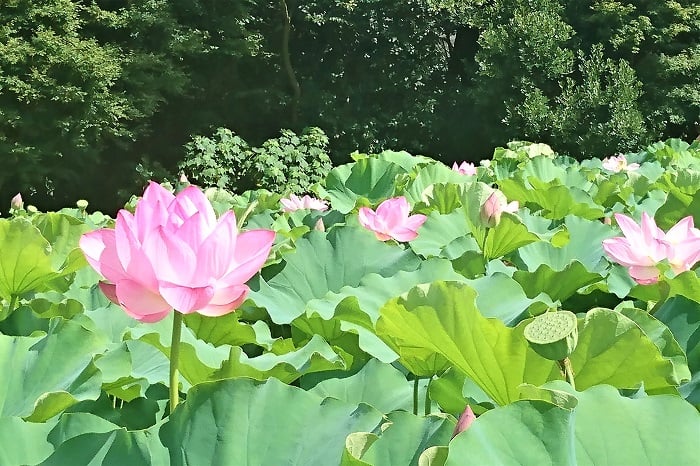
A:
[(307, 202), (619, 163), (464, 168), (643, 246), (173, 253), (392, 220), (465, 420), (494, 206)]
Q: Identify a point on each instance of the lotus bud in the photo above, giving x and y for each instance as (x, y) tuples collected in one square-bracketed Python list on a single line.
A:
[(465, 420), (492, 209), (319, 225), (553, 335), (16, 203), (183, 178)]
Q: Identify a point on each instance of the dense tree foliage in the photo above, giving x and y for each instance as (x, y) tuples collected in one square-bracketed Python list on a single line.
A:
[(91, 88)]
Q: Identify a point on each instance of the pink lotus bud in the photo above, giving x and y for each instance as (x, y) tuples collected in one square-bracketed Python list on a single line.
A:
[(494, 206), (465, 420), (16, 203), (319, 225)]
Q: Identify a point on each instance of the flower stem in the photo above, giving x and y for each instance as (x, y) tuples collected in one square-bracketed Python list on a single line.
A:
[(247, 212), (174, 359), (568, 371), (427, 396), (415, 396)]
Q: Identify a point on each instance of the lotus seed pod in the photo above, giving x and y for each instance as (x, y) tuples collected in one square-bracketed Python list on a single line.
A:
[(553, 335), (82, 204)]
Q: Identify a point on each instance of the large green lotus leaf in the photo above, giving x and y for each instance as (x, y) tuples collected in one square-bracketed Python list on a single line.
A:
[(612, 349), (401, 158), (584, 245), (555, 200), (663, 338), (83, 438), (23, 442), (557, 284), (679, 203), (229, 330), (605, 429), (506, 237), (435, 173), (402, 441), (442, 197), (286, 364), (63, 233), (441, 321), (26, 261), (46, 374), (376, 384), (682, 316), (371, 178), (322, 265), (246, 423), (440, 231), (131, 368)]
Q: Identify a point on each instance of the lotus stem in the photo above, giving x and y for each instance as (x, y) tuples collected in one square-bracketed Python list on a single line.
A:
[(427, 397), (415, 395), (174, 359), (565, 366), (247, 212)]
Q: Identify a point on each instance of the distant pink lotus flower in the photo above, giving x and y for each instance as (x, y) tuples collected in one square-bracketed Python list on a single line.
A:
[(392, 220), (464, 168), (619, 163), (645, 245), (494, 206), (173, 253), (465, 420), (295, 202)]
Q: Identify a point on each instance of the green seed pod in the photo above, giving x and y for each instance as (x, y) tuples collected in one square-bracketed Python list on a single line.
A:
[(553, 335)]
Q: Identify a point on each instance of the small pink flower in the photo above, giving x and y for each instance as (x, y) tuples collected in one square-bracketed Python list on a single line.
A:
[(294, 202), (494, 206), (643, 246), (392, 220), (619, 163), (464, 168), (173, 253), (465, 420)]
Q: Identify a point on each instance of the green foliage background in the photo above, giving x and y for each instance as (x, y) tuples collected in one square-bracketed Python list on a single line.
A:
[(91, 89)]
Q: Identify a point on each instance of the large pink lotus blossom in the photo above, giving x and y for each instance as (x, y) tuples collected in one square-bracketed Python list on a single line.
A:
[(494, 206), (619, 163), (643, 246), (464, 168), (465, 420), (173, 253), (295, 202), (392, 220)]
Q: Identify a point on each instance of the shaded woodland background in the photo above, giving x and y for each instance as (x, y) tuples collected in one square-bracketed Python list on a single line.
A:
[(96, 96)]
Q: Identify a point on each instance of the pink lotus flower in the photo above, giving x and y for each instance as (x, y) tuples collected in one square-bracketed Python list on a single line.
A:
[(494, 206), (619, 163), (464, 168), (645, 245), (294, 202), (172, 253), (465, 420), (392, 220)]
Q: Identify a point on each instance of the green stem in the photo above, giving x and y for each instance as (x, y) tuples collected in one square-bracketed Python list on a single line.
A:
[(174, 358), (568, 371), (427, 397), (483, 245), (415, 396), (247, 212)]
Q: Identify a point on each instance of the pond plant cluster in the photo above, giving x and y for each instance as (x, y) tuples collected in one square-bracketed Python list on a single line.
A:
[(529, 310)]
